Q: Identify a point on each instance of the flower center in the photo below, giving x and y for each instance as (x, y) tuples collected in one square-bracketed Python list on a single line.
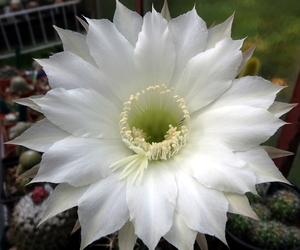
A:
[(156, 121)]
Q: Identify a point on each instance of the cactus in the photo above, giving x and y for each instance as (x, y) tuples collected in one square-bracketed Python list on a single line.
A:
[(261, 191), (29, 159), (277, 212), (284, 206), (275, 236), (262, 211), (7, 72), (51, 235), (18, 85), (18, 129), (239, 225), (253, 198), (293, 237), (269, 235)]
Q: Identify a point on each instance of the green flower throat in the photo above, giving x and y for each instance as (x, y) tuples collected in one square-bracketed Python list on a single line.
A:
[(157, 121)]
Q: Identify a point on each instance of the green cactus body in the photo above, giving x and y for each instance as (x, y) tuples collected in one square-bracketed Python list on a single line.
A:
[(274, 235), (261, 192), (269, 235), (253, 199), (277, 214), (293, 237), (239, 225), (29, 159), (262, 211), (284, 206), (51, 235)]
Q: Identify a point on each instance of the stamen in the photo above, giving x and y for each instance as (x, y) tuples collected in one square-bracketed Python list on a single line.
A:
[(154, 124), (137, 163), (175, 137)]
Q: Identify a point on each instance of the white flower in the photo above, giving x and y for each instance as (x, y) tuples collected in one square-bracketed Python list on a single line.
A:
[(148, 132)]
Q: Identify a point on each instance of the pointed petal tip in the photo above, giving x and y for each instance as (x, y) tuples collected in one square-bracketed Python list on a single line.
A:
[(230, 19), (201, 241), (9, 142), (76, 227), (58, 29), (31, 173), (213, 24), (41, 222), (55, 27), (83, 23), (165, 11), (286, 181), (255, 217)]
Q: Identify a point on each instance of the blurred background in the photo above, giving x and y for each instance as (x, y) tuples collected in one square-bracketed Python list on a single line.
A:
[(26, 32)]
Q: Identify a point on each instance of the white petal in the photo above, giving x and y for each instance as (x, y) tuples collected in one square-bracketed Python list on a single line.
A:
[(165, 13), (239, 204), (246, 56), (209, 74), (202, 209), (69, 71), (189, 34), (127, 237), (75, 43), (128, 23), (80, 161), (83, 23), (275, 152), (114, 57), (152, 203), (29, 102), (279, 108), (76, 227), (31, 173), (201, 241), (63, 197), (81, 112), (237, 127), (180, 235), (40, 136), (154, 52), (213, 165), (249, 91), (133, 165), (102, 210), (219, 32), (262, 166)]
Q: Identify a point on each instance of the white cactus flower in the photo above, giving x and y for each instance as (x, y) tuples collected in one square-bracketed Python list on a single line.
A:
[(148, 131)]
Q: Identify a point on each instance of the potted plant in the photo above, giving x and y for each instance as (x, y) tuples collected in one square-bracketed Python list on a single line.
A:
[(278, 207), (25, 207)]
